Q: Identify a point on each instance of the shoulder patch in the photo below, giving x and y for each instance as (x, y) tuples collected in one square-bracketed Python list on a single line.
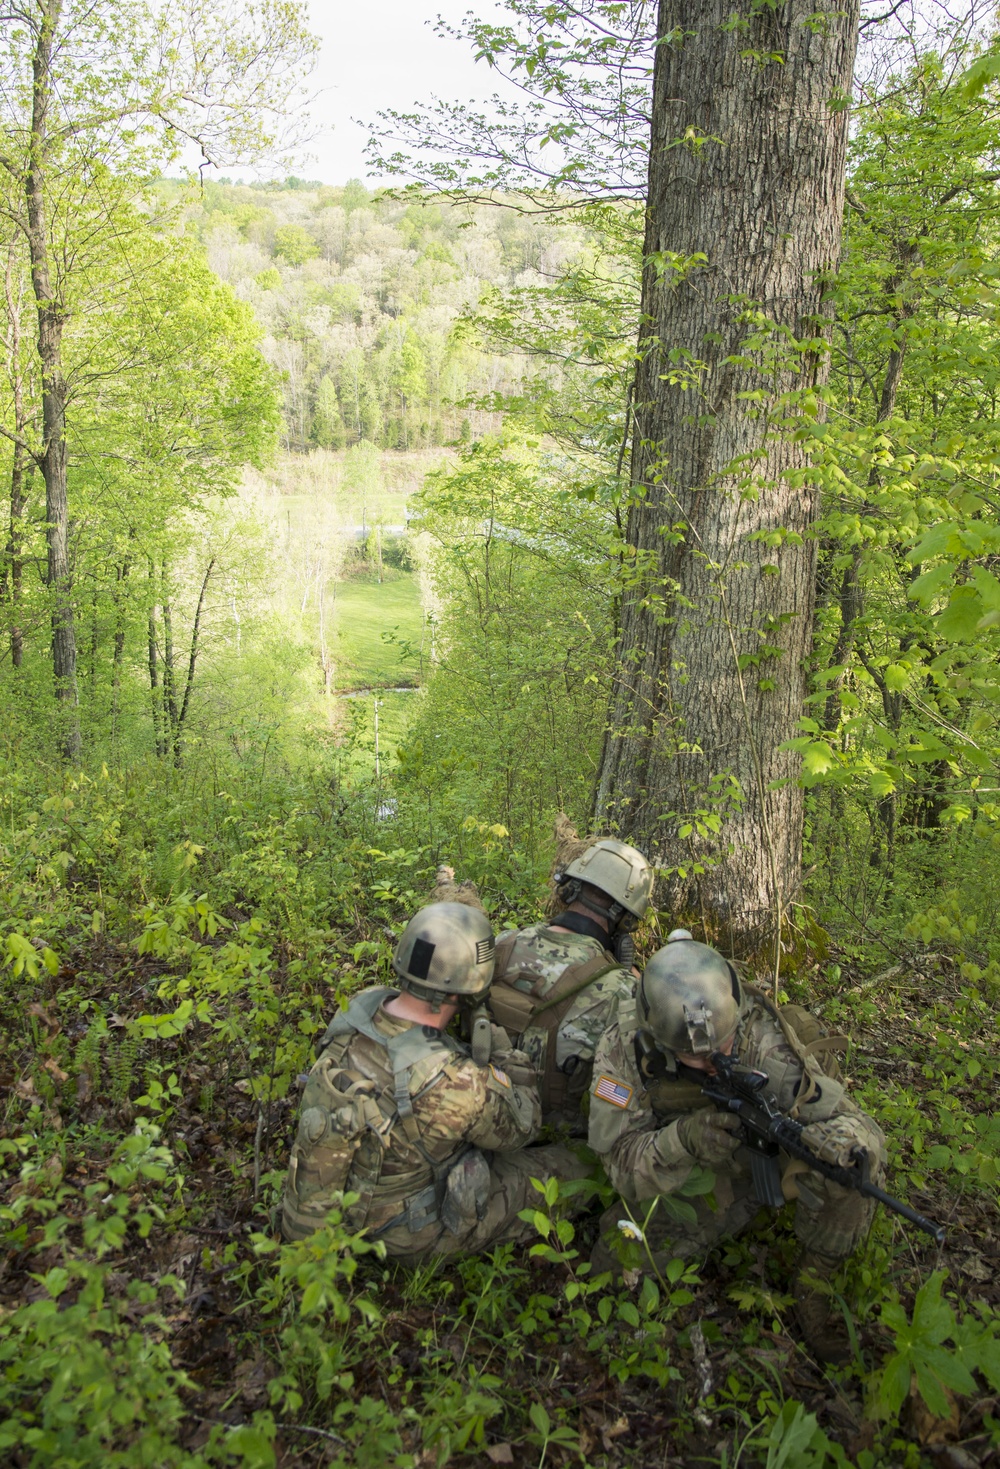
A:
[(615, 1092), (500, 1076)]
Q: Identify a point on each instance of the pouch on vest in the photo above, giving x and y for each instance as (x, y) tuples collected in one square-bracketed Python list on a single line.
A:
[(466, 1193), (338, 1107), (518, 1010)]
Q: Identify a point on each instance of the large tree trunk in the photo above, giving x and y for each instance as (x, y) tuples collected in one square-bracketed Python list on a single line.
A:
[(51, 320), (746, 169)]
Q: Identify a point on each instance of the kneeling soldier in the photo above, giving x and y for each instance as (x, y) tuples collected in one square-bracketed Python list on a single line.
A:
[(557, 984), (396, 1111), (651, 1126)]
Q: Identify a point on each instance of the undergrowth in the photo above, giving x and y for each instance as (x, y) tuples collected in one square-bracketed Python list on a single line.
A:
[(170, 945)]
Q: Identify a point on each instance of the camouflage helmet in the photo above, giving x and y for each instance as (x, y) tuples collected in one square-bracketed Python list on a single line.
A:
[(446, 949), (689, 997), (617, 869)]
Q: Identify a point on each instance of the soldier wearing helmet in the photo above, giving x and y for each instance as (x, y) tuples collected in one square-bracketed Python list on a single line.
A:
[(396, 1111), (557, 983), (655, 1132)]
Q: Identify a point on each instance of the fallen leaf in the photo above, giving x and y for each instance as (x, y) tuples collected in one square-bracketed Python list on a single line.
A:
[(928, 1427), (25, 1088), (54, 1069), (40, 1013), (500, 1453)]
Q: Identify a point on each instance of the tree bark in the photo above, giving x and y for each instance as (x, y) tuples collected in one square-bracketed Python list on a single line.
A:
[(155, 690), (118, 596), (192, 660), (12, 581), (51, 321), (746, 169), (13, 578)]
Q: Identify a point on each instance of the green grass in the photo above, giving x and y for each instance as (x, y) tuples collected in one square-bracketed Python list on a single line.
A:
[(366, 614)]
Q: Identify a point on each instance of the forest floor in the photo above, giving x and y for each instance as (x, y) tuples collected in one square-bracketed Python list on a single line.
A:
[(486, 1360)]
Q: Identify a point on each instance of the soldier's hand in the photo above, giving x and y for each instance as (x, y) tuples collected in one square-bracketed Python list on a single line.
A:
[(499, 1040), (836, 1141), (708, 1135)]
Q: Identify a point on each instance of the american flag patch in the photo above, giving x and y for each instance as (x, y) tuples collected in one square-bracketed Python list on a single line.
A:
[(501, 1076), (615, 1092)]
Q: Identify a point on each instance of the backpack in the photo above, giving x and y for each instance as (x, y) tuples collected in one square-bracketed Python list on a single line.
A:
[(518, 1010), (346, 1126)]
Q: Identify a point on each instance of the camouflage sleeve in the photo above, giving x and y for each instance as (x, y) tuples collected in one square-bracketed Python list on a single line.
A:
[(641, 1158), (802, 1088), (504, 1114)]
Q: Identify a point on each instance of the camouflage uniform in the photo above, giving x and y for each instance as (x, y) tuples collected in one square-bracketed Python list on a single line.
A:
[(538, 959), (634, 1131), (411, 1147)]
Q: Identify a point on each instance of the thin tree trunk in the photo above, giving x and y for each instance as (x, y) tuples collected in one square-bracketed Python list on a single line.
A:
[(169, 686), (12, 584), (118, 595), (746, 171), (51, 321), (192, 660), (156, 692)]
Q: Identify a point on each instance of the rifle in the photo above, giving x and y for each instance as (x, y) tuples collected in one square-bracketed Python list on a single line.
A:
[(766, 1130)]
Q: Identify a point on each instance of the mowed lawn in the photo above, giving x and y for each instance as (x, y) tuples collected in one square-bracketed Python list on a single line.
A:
[(364, 612)]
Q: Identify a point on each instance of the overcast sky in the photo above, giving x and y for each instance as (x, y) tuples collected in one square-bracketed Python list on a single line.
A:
[(384, 53)]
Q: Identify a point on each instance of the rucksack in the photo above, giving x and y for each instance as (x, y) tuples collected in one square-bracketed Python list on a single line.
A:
[(346, 1125), (518, 1010)]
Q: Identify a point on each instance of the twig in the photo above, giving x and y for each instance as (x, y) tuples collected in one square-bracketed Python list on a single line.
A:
[(256, 1151), (304, 1428), (704, 1374)]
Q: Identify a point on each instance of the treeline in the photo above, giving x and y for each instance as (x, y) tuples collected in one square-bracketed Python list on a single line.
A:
[(361, 297)]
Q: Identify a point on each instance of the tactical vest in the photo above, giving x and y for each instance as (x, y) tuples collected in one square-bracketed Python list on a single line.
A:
[(519, 1002), (807, 1036), (348, 1123)]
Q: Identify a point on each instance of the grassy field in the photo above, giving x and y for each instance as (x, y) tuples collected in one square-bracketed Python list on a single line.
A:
[(378, 630)]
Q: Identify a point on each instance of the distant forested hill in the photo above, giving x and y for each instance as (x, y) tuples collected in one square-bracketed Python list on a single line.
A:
[(359, 296)]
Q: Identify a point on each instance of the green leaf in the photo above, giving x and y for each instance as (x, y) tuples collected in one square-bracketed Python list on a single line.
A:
[(818, 758), (895, 1384), (939, 539), (957, 623), (882, 784), (540, 1419), (933, 1319), (792, 1434), (988, 588), (931, 584)]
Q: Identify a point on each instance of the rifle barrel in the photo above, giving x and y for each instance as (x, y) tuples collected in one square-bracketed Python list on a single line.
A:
[(786, 1133)]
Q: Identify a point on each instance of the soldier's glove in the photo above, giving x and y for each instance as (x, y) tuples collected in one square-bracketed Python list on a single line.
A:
[(500, 1040), (836, 1141), (709, 1136)]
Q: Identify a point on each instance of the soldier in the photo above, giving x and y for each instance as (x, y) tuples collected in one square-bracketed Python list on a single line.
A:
[(556, 984), (651, 1126), (396, 1111)]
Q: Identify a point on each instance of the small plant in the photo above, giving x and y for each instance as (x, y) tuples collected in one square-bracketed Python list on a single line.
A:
[(935, 1350)]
